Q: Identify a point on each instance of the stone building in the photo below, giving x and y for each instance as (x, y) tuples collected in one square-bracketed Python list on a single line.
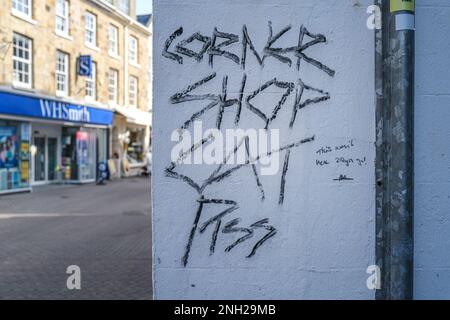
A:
[(73, 90), (147, 20)]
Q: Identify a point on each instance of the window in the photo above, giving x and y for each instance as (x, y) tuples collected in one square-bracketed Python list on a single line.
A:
[(133, 50), (62, 73), (112, 85), (90, 29), (62, 16), (91, 83), (124, 6), (113, 40), (22, 61), (135, 150), (133, 91), (15, 157), (23, 7)]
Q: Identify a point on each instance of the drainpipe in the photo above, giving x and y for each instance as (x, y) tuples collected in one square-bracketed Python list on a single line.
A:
[(395, 149)]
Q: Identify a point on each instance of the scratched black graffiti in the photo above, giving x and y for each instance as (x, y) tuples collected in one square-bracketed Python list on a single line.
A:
[(249, 233), (283, 176), (299, 104), (222, 101), (342, 157), (343, 177), (215, 49), (299, 51), (171, 55), (181, 47), (276, 52), (242, 99), (247, 42), (216, 177), (269, 118)]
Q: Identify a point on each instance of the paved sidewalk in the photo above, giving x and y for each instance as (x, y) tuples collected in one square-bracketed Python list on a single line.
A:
[(105, 230)]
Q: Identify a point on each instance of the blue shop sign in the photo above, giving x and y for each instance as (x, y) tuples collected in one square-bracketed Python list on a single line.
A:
[(85, 66), (34, 107)]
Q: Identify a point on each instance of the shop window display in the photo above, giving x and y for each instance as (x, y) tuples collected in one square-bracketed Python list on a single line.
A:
[(135, 147), (82, 150), (14, 155)]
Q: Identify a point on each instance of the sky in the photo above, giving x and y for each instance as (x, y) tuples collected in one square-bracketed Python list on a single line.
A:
[(144, 6)]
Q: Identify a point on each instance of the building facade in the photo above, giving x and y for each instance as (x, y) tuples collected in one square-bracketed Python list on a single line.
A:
[(73, 90), (147, 20)]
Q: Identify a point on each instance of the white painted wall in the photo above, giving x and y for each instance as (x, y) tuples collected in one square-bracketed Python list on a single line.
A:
[(432, 151), (325, 228)]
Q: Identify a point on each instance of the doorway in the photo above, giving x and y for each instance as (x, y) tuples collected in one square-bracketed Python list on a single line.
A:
[(45, 159), (52, 163), (39, 160)]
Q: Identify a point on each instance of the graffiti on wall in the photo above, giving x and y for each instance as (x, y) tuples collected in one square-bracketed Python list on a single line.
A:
[(213, 50)]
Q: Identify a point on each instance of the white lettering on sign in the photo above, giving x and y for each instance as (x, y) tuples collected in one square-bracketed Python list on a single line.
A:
[(63, 111)]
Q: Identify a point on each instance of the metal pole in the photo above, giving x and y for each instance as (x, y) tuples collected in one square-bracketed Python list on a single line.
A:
[(395, 149)]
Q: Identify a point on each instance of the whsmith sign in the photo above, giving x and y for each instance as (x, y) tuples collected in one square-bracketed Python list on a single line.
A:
[(63, 111), (34, 107)]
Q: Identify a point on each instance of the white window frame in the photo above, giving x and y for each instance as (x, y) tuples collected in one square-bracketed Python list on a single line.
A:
[(133, 91), (113, 84), (90, 30), (25, 15), (24, 61), (91, 84), (113, 40), (62, 73), (134, 50), (64, 16), (124, 6)]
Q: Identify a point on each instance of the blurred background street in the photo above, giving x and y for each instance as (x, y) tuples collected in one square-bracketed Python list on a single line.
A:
[(105, 230)]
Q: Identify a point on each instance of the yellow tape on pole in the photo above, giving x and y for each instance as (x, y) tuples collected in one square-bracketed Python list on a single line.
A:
[(402, 5)]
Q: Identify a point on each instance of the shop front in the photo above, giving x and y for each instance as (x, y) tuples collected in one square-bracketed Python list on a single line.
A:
[(50, 141), (131, 140)]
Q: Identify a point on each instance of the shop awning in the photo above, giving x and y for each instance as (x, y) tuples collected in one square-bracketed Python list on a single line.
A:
[(135, 116)]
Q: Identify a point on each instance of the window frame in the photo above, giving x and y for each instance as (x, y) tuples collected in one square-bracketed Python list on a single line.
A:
[(134, 92), (115, 52), (29, 62), (133, 58), (116, 85), (87, 29), (65, 73), (124, 6), (65, 18), (91, 80), (17, 12)]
